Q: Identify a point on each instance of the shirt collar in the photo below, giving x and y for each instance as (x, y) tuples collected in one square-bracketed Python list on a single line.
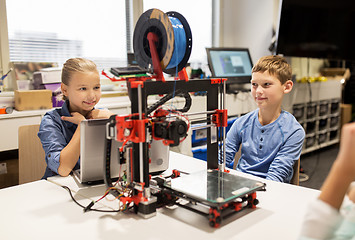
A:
[(270, 125), (65, 112), (65, 109)]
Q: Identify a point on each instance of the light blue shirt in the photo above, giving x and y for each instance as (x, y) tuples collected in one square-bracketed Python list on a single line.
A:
[(268, 151), (55, 134)]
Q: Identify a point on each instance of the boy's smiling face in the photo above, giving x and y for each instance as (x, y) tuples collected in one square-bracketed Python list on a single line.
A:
[(267, 90)]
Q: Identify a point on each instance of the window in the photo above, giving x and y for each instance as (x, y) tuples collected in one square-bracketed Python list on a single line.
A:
[(198, 14), (53, 31)]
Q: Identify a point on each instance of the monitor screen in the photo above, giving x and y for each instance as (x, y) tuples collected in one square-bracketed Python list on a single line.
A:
[(232, 63), (317, 29)]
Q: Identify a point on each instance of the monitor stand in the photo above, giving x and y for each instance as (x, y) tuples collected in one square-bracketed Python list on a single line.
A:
[(238, 87)]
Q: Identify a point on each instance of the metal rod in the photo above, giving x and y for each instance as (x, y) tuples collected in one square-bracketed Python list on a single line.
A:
[(140, 114), (202, 127), (197, 113), (224, 129)]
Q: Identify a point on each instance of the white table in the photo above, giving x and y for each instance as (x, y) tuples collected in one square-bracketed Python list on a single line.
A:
[(43, 210)]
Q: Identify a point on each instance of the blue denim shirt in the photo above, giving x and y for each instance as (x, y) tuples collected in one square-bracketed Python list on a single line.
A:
[(55, 134), (268, 151)]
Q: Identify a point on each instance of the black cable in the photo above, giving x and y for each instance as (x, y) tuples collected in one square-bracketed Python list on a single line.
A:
[(107, 161), (180, 93), (317, 161), (308, 81), (87, 208)]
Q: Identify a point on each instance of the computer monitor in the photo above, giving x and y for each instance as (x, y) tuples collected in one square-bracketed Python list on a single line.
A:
[(235, 64), (92, 153), (131, 59)]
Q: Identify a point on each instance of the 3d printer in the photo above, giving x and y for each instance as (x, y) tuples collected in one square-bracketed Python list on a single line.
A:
[(162, 43)]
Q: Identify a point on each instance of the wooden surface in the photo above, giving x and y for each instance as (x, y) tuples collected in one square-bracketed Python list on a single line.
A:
[(31, 154)]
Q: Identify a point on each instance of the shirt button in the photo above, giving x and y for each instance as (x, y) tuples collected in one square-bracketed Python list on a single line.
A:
[(261, 139), (262, 131), (260, 147)]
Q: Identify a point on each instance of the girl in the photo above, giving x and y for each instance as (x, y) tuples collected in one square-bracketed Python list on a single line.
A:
[(332, 215), (60, 128)]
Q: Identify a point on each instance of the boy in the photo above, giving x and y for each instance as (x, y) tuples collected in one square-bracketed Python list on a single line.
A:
[(272, 138)]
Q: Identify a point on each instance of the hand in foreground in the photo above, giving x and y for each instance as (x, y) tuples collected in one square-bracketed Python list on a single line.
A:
[(99, 114), (351, 193), (346, 155), (76, 118)]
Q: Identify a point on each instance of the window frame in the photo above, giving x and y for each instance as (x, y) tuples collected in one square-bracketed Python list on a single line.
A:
[(133, 8)]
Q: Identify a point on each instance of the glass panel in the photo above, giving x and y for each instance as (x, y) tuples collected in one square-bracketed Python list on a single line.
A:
[(214, 186), (53, 31)]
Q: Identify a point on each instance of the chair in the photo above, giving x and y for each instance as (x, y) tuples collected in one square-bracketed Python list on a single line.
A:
[(237, 156), (32, 162), (295, 180)]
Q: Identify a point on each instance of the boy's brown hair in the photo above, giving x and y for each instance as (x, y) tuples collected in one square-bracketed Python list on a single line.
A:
[(276, 66)]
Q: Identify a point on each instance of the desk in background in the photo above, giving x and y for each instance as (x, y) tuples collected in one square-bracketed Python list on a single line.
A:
[(9, 123), (44, 210)]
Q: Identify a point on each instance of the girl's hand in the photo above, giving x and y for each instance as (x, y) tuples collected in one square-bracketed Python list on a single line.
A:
[(76, 118), (99, 113)]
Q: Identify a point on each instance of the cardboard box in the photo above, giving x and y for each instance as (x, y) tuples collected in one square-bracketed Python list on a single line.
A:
[(346, 113), (336, 73), (33, 99)]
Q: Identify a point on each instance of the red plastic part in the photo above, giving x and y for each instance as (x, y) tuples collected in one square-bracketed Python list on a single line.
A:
[(135, 127), (113, 79), (136, 198), (183, 75), (237, 206), (176, 173), (214, 215), (3, 111), (218, 80), (220, 118), (153, 39), (161, 113), (135, 84), (252, 197)]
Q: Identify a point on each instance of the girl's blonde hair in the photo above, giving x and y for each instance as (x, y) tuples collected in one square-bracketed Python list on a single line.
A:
[(276, 66), (74, 65)]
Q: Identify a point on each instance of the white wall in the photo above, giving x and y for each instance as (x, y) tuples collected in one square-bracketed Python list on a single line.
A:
[(248, 23)]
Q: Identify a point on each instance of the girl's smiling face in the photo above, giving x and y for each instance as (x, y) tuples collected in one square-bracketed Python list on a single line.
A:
[(83, 91)]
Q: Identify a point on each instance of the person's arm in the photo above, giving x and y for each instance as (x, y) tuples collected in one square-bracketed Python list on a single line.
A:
[(282, 165), (53, 140), (323, 219), (232, 142), (70, 153), (342, 172)]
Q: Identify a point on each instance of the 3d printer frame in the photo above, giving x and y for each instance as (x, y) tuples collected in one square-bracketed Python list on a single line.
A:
[(146, 198)]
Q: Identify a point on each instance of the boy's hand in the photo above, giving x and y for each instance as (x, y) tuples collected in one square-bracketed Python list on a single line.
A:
[(76, 118), (99, 114), (346, 156)]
